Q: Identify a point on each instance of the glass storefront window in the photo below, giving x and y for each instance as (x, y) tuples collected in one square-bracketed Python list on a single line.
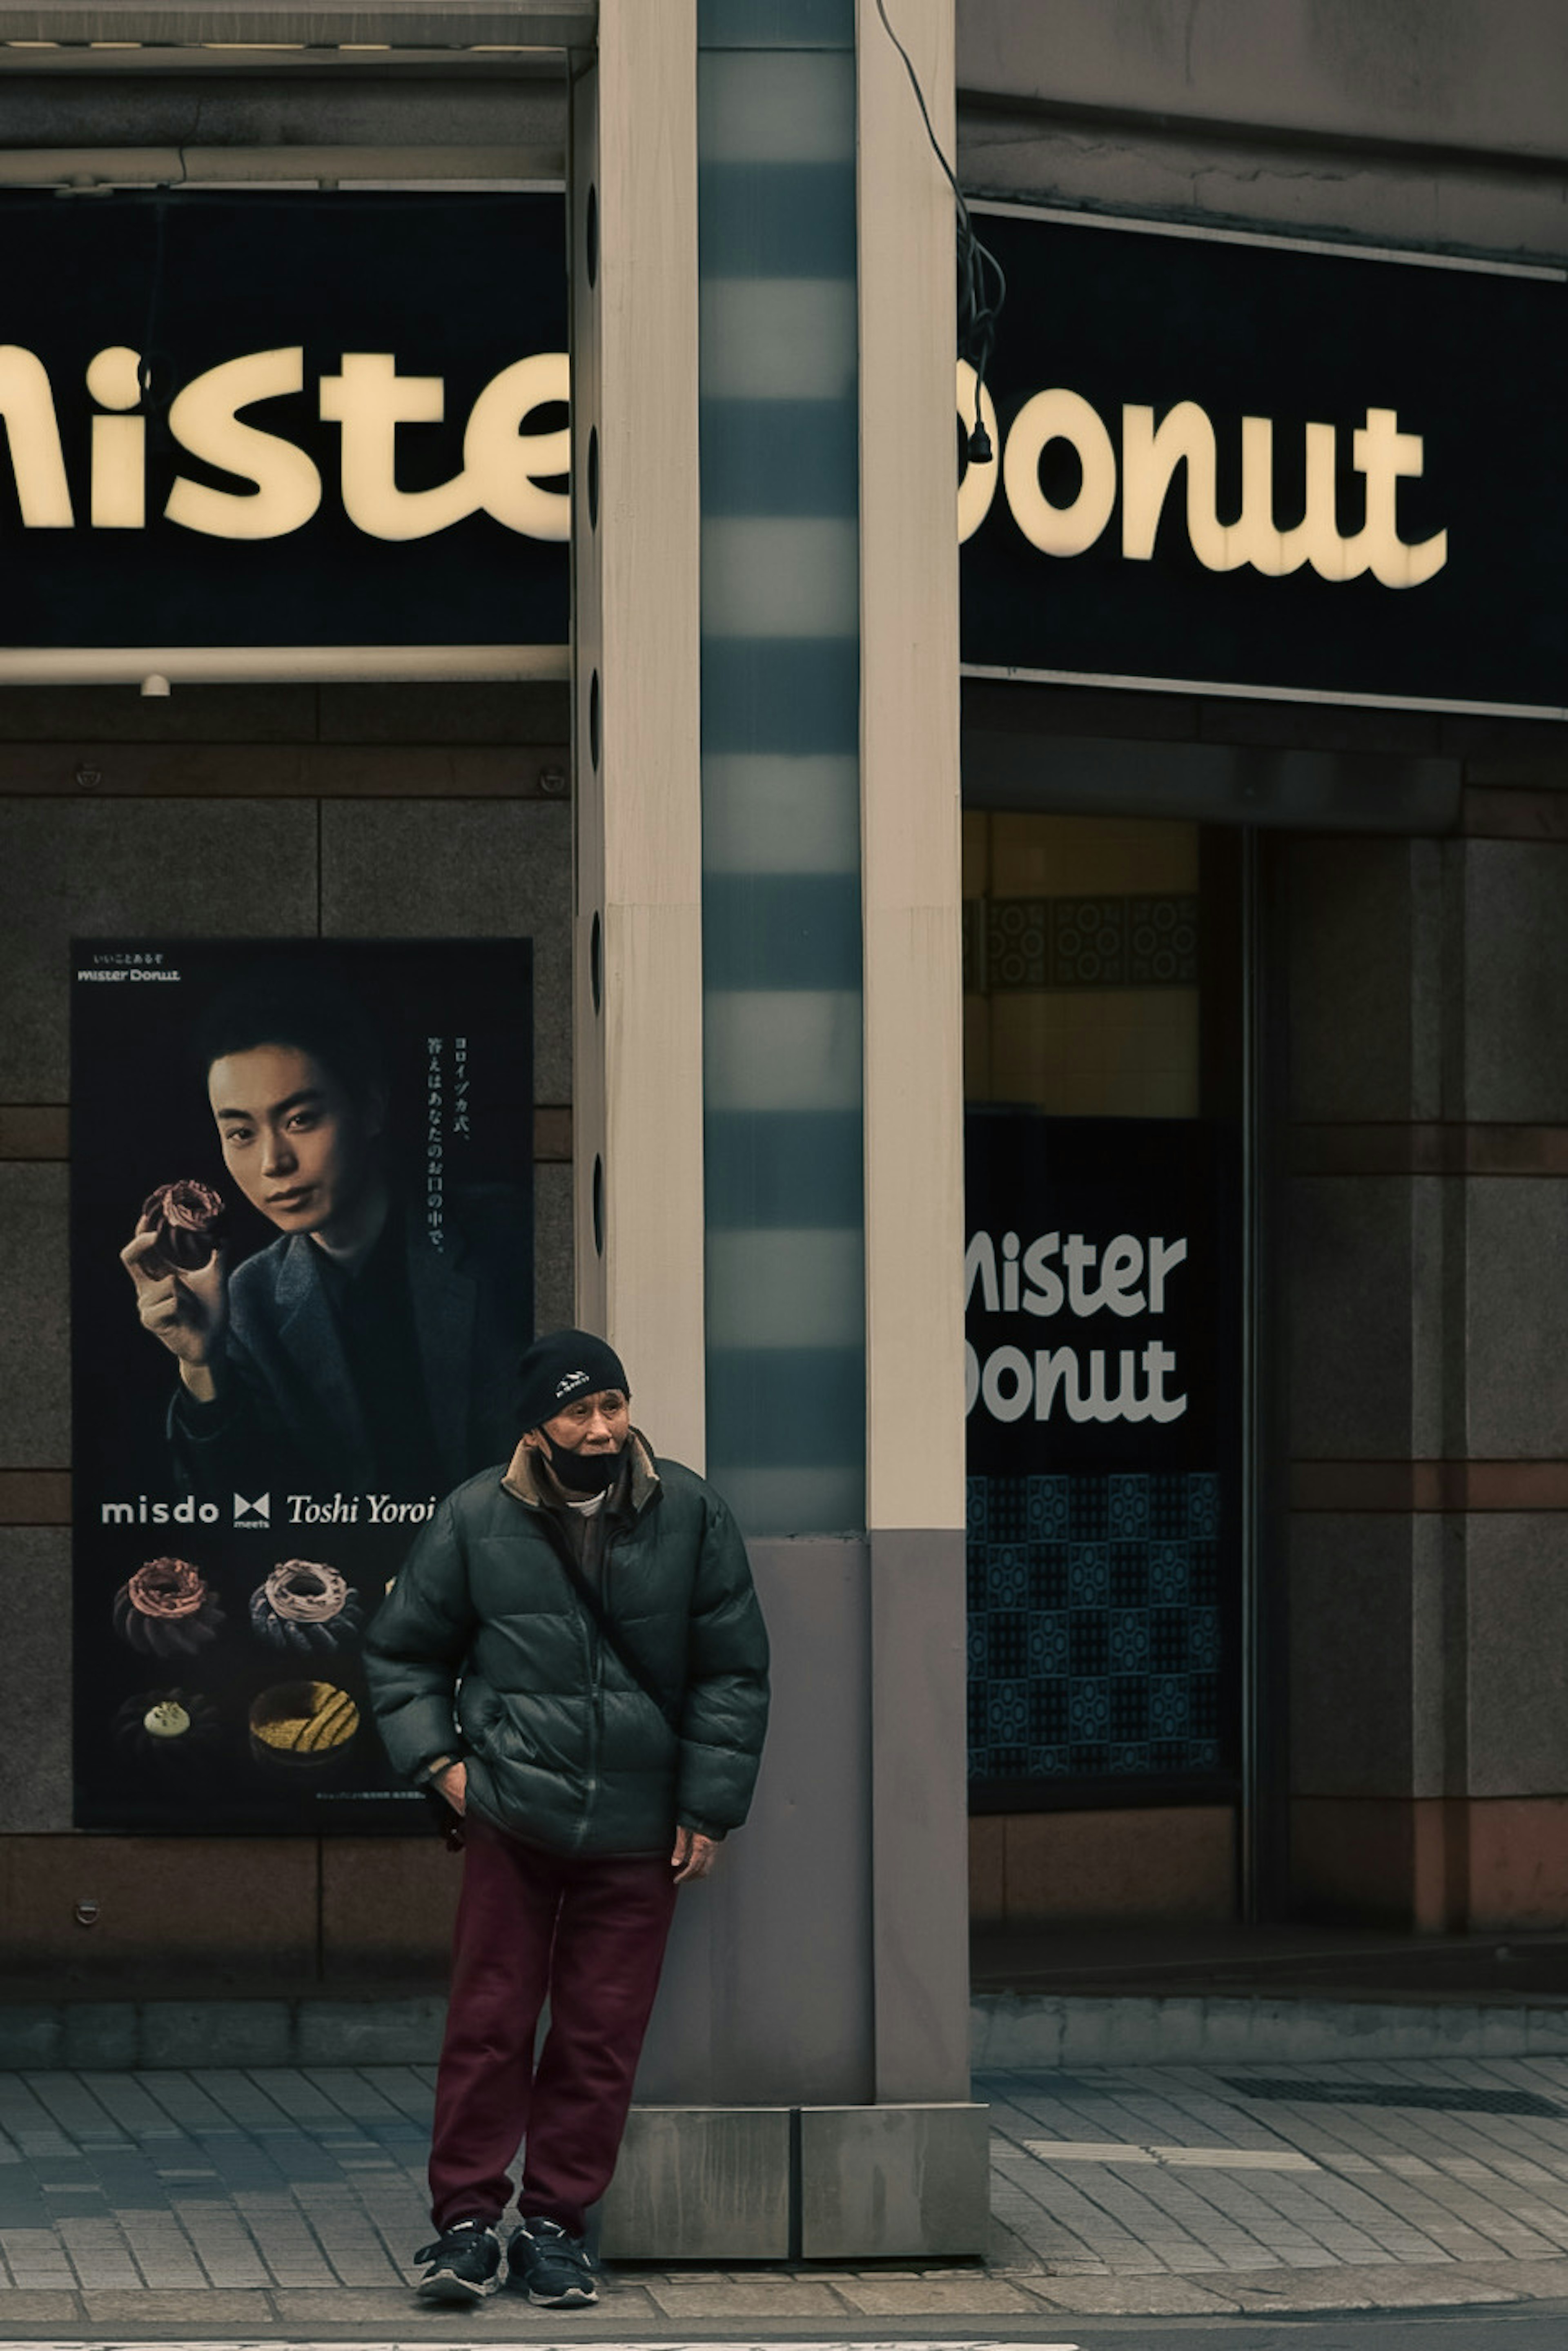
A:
[(1080, 965), (1102, 994)]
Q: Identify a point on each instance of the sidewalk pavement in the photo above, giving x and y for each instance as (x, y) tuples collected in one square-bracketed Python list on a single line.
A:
[(207, 2204)]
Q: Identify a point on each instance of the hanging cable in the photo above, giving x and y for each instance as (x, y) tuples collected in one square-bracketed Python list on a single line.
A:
[(977, 314)]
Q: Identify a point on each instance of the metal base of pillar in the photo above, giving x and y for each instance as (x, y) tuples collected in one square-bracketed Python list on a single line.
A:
[(815, 2183), (879, 2181), (701, 2184)]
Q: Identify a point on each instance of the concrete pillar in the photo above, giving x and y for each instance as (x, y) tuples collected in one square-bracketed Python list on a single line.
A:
[(914, 1064), (768, 1094), (637, 994)]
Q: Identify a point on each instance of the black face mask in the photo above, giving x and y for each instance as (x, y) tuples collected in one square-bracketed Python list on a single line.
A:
[(584, 1473)]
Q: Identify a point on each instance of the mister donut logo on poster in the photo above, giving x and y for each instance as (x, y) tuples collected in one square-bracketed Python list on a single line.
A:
[(302, 1272)]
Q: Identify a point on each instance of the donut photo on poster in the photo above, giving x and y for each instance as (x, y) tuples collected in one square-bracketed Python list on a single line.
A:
[(302, 1275)]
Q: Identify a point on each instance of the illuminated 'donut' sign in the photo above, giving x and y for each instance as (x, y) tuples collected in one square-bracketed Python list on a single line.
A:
[(257, 419), (1153, 455), (1261, 467)]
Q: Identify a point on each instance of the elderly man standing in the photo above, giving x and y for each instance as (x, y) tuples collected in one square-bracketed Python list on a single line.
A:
[(574, 1656)]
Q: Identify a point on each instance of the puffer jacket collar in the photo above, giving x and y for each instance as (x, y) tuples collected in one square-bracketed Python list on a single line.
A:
[(525, 1486)]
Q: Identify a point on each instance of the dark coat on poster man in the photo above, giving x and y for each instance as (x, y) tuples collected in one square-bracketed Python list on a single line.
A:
[(419, 1416)]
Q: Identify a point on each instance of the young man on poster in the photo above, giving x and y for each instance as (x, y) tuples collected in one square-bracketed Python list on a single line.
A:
[(351, 1355), (574, 1656)]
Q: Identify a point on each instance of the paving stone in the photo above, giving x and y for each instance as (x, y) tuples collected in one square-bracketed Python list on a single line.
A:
[(1394, 2289), (31, 2267), (888, 2298), (1145, 2297), (1539, 2281), (632, 2297), (346, 2306), (772, 2298), (217, 2308), (300, 2187)]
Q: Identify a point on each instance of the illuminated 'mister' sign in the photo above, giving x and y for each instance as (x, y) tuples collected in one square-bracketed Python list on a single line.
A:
[(259, 418), (1141, 465), (504, 471)]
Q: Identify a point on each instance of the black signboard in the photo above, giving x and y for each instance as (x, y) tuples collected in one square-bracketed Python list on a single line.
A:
[(301, 1274), (256, 420), (1099, 1301), (1240, 464)]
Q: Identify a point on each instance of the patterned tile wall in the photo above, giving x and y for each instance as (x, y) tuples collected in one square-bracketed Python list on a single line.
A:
[(1094, 1625), (1102, 942)]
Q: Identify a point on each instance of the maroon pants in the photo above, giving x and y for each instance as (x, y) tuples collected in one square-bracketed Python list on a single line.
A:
[(589, 1932)]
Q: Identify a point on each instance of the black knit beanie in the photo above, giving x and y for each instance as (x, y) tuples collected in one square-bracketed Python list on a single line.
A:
[(558, 1369)]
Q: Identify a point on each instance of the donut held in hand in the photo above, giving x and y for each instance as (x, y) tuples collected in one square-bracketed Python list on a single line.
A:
[(186, 1216)]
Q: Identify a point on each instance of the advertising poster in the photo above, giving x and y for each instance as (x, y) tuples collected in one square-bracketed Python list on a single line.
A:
[(301, 1275), (1100, 1315)]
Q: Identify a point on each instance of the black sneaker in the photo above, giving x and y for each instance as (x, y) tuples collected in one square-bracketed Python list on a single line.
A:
[(549, 2266), (464, 2263)]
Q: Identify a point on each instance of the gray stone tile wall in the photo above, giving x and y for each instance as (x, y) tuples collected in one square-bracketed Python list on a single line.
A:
[(35, 1341), (193, 869), (196, 714), (462, 869), (1350, 924), (1516, 981), (36, 1608), (1352, 1615), (555, 1276), (1351, 1272), (1518, 1583), (1427, 1317), (1515, 1333)]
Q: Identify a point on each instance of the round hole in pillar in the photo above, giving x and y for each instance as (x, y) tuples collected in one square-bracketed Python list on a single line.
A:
[(593, 721), (595, 964), (593, 477), (590, 235), (598, 1205)]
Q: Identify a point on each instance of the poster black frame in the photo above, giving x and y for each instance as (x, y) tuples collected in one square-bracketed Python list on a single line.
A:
[(458, 1153)]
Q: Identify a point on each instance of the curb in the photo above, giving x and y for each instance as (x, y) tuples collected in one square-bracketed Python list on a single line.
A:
[(1010, 2032), (1005, 2306), (1041, 2033), (123, 2035)]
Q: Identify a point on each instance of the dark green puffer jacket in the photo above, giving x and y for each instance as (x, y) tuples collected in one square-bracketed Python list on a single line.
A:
[(483, 1651)]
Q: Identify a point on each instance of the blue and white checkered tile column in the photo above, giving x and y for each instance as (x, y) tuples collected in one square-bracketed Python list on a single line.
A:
[(781, 781)]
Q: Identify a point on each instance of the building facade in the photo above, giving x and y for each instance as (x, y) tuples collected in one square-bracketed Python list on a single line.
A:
[(1179, 857), (1361, 889)]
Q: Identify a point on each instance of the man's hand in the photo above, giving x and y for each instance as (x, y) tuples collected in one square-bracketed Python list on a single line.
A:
[(693, 1855), (454, 1785), (188, 1311)]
